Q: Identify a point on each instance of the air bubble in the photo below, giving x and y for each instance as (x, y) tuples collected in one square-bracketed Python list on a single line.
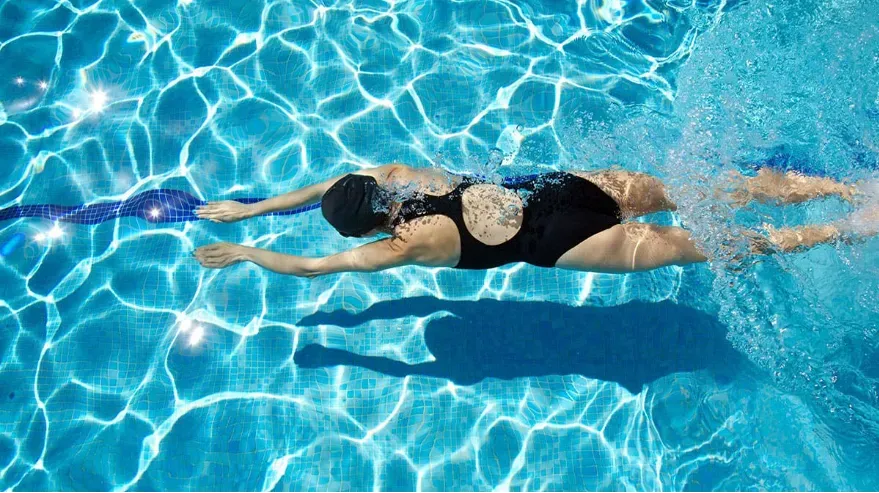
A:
[(495, 158)]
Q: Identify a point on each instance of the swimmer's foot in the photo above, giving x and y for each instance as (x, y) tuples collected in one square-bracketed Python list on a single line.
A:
[(739, 248), (771, 186), (780, 239), (863, 223), (733, 190)]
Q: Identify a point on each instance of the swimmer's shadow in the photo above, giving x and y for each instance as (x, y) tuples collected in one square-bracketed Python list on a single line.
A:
[(632, 344)]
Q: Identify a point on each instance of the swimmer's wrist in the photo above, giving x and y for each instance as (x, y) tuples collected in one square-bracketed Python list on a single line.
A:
[(244, 253), (254, 210)]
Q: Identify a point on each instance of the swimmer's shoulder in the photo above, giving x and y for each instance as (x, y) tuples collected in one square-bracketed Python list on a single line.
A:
[(430, 240), (433, 181)]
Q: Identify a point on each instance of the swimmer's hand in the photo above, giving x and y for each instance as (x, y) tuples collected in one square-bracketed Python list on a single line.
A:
[(220, 255), (226, 211)]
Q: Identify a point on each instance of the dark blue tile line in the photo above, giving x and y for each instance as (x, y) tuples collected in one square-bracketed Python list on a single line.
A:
[(172, 206)]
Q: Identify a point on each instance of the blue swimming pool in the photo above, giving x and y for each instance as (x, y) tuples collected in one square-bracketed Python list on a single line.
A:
[(124, 365)]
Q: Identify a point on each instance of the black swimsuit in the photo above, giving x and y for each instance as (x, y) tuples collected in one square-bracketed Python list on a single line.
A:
[(561, 210)]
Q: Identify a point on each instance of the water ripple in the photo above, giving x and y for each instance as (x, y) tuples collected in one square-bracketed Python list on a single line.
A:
[(127, 367)]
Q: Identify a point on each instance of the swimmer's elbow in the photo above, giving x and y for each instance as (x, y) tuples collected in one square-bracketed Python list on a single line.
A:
[(389, 257), (373, 257), (392, 170), (381, 255), (396, 167), (301, 267)]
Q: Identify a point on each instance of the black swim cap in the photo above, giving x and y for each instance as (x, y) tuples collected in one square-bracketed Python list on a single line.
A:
[(354, 205)]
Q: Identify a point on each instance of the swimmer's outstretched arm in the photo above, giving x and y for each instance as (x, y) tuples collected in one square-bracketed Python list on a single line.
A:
[(227, 211), (372, 257)]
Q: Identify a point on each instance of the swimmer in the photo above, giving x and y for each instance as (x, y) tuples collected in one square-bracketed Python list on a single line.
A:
[(565, 220)]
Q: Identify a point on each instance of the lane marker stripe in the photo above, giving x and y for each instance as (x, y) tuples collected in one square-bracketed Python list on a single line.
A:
[(173, 206)]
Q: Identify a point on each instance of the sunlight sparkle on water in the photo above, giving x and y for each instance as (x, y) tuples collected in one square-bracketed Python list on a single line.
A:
[(56, 232), (155, 212), (197, 335), (43, 85), (98, 100), (19, 81)]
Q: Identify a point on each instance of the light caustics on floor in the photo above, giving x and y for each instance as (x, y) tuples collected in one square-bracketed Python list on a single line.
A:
[(166, 375)]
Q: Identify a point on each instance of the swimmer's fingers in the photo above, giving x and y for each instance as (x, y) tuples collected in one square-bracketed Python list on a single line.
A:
[(214, 218), (205, 210), (213, 247), (212, 211), (225, 211), (218, 255), (214, 250), (217, 264)]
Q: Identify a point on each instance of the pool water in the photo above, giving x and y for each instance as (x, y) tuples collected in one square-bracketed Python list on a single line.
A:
[(124, 365)]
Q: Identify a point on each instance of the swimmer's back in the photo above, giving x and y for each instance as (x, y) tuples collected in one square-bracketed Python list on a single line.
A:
[(480, 225), (491, 214)]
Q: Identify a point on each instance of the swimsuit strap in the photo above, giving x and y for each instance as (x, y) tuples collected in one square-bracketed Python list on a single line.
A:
[(447, 205)]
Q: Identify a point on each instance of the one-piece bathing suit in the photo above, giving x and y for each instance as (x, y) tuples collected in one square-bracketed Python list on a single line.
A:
[(561, 210)]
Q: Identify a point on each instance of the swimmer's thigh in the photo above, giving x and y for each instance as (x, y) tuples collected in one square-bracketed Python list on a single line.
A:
[(632, 247)]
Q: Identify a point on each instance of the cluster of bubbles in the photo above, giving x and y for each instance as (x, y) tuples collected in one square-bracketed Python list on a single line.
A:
[(771, 86)]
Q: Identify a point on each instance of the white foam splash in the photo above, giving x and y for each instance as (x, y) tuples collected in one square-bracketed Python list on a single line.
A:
[(865, 220), (509, 142), (870, 190)]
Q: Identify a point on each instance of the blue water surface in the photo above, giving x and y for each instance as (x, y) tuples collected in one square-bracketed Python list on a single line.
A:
[(124, 365)]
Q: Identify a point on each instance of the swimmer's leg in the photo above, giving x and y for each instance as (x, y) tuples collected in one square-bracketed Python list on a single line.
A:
[(793, 239), (783, 188), (633, 247), (636, 193), (861, 225)]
